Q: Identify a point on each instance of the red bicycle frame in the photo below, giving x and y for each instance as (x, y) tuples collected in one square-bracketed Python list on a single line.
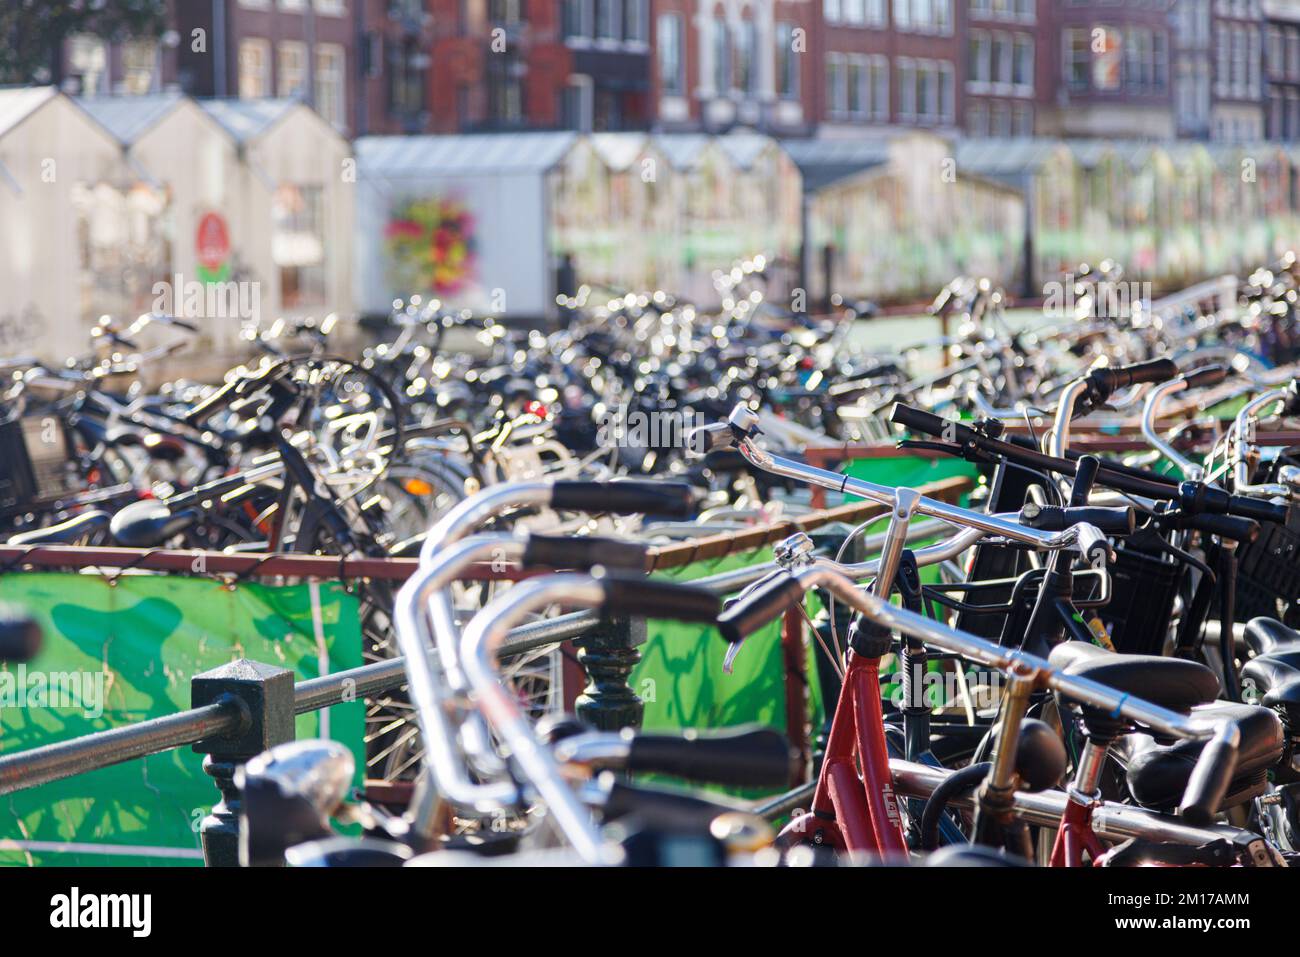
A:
[(854, 810), (1074, 836)]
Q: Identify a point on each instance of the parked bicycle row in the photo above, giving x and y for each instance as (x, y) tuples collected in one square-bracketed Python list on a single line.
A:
[(1090, 660)]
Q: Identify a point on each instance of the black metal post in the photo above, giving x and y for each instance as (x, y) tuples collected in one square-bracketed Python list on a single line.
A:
[(609, 653), (265, 695)]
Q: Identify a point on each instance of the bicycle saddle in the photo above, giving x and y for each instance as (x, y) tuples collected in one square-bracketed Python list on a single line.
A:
[(1157, 774), (1172, 683), (149, 522), (1274, 674), (64, 533), (1264, 636)]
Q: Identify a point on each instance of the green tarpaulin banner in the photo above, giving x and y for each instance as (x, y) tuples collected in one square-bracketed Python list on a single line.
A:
[(124, 650)]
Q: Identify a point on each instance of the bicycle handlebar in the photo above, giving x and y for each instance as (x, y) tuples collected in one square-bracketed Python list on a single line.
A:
[(746, 756), (564, 551), (1199, 498), (673, 499), (1117, 520), (1102, 383), (647, 598), (1205, 377), (762, 604)]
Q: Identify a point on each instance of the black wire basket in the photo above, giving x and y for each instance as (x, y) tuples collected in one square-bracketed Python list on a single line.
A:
[(1144, 586)]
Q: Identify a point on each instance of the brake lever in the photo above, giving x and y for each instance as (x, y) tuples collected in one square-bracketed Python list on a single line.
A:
[(733, 650)]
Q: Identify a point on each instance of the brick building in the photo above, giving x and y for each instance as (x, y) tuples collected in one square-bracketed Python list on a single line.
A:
[(1282, 69), (725, 63), (1154, 69)]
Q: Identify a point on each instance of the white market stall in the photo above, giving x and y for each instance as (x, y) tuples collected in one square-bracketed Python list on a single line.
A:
[(53, 160), (464, 219)]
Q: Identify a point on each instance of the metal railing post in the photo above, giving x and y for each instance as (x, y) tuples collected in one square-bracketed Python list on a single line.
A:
[(265, 695), (609, 653)]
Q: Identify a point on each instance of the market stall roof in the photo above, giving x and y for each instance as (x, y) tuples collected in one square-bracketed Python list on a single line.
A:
[(128, 118), (248, 119), (19, 102), (618, 151), (682, 149), (744, 146), (1007, 156), (822, 162), (479, 154)]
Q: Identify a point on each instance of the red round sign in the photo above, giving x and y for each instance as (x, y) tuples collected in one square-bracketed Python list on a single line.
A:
[(213, 241)]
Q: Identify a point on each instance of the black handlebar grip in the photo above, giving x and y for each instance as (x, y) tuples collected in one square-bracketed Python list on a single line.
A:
[(588, 551), (1205, 376), (749, 756), (217, 400), (20, 635), (1243, 530), (1105, 381), (759, 607), (661, 808), (672, 499), (1209, 782), (1116, 520), (927, 423), (648, 598), (1197, 498)]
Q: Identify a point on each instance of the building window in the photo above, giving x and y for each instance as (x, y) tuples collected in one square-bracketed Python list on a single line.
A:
[(579, 106), (721, 57), (856, 76), (836, 94), (672, 62), (1022, 64), (877, 13), (88, 62), (978, 73), (254, 69), (832, 11), (1076, 57), (1000, 59), (903, 14), (744, 76), (947, 93), (786, 63), (1000, 119), (1022, 119), (607, 27), (1108, 64), (505, 92), (977, 119), (406, 78), (880, 87), (634, 21), (576, 25), (291, 68), (906, 89), (330, 84), (507, 12), (139, 67)]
